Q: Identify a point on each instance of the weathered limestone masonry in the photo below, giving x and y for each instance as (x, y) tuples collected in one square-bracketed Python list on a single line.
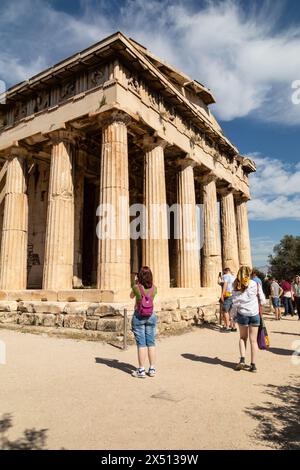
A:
[(115, 125), (155, 246)]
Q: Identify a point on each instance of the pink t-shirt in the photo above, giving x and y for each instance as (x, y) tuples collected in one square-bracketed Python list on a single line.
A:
[(286, 286)]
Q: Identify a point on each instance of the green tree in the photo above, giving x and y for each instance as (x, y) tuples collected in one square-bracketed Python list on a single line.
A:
[(285, 261)]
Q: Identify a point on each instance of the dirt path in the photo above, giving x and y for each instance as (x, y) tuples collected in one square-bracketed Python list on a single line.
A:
[(82, 393)]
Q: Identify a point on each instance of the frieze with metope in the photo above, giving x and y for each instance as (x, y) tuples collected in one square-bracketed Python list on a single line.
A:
[(56, 95)]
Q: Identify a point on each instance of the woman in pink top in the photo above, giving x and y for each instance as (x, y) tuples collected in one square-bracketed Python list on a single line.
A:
[(287, 298)]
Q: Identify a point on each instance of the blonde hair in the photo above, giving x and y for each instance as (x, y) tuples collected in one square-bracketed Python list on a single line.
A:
[(243, 278)]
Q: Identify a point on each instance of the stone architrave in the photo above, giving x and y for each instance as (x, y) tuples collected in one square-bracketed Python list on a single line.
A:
[(13, 258), (59, 243)]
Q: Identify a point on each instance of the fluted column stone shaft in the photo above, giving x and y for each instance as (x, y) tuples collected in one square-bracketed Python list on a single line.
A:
[(59, 243), (188, 266), (114, 235), (243, 233), (229, 233), (212, 262), (78, 228), (155, 243), (13, 258)]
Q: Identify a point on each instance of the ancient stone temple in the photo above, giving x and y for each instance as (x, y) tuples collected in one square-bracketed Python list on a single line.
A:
[(115, 125)]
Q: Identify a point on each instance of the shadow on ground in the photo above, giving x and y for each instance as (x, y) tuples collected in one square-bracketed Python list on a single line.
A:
[(215, 361), (32, 439), (115, 364), (209, 326), (281, 351), (279, 418)]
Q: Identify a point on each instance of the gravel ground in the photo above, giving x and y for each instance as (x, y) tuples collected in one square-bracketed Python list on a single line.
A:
[(83, 395)]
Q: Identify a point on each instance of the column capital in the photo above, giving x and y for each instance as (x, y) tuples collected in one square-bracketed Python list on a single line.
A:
[(116, 116), (150, 142), (186, 162), (225, 190), (208, 178), (16, 150), (64, 135), (240, 198)]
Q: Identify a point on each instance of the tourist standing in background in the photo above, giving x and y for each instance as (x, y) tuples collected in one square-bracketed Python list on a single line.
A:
[(254, 277), (266, 286), (226, 300), (287, 298), (296, 291), (276, 292)]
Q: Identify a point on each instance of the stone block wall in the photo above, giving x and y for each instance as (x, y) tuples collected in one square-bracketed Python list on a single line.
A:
[(101, 317)]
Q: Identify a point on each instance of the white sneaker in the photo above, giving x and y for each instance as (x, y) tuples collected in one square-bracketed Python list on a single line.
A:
[(151, 372), (139, 373)]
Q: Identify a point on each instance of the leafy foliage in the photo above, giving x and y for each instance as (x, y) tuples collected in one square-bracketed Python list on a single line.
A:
[(285, 261)]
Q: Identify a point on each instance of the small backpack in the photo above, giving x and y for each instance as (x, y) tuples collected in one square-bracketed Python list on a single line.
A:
[(145, 305)]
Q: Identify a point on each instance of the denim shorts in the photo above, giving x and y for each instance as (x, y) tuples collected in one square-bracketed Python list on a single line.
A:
[(275, 302), (144, 330), (248, 321), (227, 304)]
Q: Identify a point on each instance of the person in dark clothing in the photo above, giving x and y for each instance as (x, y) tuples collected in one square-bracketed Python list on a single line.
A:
[(266, 286)]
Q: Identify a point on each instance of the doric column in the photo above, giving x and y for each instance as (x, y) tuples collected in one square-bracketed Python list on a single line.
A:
[(13, 259), (188, 266), (78, 227), (59, 242), (155, 243), (243, 233), (229, 234), (212, 263), (113, 228)]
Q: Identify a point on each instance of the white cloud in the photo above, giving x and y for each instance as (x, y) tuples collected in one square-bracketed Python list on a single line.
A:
[(261, 248), (13, 67), (275, 177), (271, 208), (36, 36), (275, 190), (245, 58)]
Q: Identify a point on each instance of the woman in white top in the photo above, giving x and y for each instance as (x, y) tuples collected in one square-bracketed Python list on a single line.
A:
[(246, 310)]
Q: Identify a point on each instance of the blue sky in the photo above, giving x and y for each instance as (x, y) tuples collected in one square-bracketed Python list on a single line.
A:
[(247, 52)]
